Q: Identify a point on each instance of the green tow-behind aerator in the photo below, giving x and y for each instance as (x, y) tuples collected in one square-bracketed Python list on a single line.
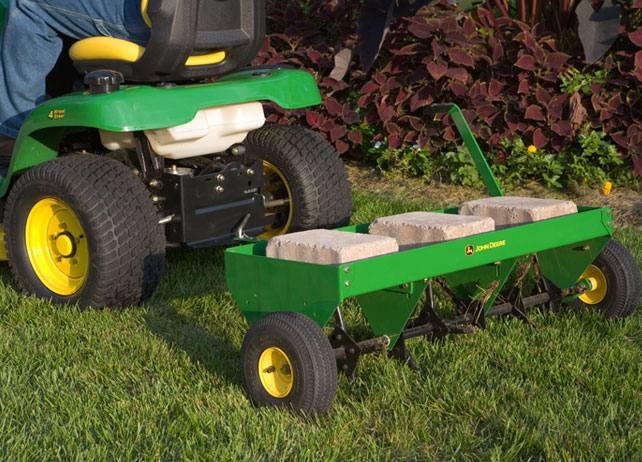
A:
[(287, 359)]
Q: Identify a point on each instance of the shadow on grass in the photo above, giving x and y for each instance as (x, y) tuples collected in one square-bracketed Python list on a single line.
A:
[(192, 272), (217, 355), (6, 278)]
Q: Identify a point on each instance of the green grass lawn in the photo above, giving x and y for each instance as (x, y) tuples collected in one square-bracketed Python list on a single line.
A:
[(161, 382)]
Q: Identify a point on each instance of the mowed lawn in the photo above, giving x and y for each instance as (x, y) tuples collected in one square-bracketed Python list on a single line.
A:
[(161, 382)]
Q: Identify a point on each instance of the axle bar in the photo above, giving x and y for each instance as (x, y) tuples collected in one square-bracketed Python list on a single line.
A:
[(366, 346), (468, 318)]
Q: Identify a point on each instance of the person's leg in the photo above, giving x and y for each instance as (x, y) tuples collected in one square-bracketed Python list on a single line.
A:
[(28, 51), (31, 45), (79, 19)]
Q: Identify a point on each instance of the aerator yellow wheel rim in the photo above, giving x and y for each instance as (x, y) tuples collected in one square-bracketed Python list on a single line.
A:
[(279, 188), (275, 372), (57, 246), (599, 284)]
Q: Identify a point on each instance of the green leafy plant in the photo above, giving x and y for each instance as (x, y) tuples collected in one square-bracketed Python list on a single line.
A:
[(460, 167), (594, 160), (591, 160), (574, 81), (406, 160), (524, 163)]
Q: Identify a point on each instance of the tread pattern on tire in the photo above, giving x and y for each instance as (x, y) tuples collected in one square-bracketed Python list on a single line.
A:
[(129, 250), (623, 299), (315, 173), (308, 338)]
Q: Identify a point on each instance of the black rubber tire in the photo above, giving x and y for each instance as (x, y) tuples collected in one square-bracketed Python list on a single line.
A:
[(126, 244), (313, 363), (313, 170), (624, 282)]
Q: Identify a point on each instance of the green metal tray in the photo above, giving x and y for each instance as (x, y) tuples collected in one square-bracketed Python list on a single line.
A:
[(388, 287)]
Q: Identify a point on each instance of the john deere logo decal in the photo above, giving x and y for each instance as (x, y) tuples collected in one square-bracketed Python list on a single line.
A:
[(471, 249), (56, 114)]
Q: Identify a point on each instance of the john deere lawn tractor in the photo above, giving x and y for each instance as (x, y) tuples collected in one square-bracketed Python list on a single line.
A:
[(101, 181)]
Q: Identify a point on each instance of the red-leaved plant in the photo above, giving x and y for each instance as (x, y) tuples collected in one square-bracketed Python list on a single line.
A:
[(508, 85)]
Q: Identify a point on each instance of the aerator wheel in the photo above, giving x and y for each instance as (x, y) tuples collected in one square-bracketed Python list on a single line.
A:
[(287, 361), (616, 281), (83, 228), (305, 179)]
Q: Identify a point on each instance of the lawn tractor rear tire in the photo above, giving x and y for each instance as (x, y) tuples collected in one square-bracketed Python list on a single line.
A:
[(617, 283), (84, 229), (287, 361), (302, 167)]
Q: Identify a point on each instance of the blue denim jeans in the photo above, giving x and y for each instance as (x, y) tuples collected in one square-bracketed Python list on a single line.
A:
[(31, 45)]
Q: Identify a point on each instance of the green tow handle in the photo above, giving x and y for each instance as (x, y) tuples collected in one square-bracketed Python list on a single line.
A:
[(471, 144)]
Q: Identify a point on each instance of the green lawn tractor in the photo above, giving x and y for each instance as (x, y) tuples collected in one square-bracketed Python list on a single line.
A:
[(101, 181)]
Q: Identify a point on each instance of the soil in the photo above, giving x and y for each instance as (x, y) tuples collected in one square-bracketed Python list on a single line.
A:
[(626, 203)]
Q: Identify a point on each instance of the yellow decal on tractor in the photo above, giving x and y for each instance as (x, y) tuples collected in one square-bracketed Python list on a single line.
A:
[(56, 114)]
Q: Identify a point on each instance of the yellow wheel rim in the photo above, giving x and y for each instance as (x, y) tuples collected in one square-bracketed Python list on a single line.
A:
[(275, 372), (280, 189), (600, 286), (57, 246)]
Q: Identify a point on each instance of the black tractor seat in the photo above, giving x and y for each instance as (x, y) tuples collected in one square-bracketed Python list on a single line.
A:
[(190, 39)]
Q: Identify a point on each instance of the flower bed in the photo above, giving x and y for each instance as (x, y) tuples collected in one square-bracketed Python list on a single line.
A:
[(518, 83)]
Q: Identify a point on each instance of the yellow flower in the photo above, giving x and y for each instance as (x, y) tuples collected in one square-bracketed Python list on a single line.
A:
[(607, 187), (532, 148)]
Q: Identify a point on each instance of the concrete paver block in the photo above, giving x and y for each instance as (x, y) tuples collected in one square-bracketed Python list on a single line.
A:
[(329, 247), (416, 229), (509, 210)]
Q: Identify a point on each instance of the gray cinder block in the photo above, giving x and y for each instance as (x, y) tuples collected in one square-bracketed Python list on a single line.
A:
[(509, 210), (416, 229), (328, 247)]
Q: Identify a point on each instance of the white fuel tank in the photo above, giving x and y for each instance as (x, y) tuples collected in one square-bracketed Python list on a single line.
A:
[(212, 130)]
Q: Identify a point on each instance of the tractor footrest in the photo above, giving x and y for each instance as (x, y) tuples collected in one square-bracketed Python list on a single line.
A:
[(507, 211), (417, 229), (328, 247)]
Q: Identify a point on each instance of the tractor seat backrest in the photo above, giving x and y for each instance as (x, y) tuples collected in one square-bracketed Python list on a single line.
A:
[(190, 39)]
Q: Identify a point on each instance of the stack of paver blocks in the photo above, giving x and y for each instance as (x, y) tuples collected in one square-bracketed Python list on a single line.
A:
[(511, 211), (415, 229)]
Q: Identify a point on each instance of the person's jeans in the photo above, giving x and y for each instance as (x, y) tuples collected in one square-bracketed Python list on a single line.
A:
[(31, 45)]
